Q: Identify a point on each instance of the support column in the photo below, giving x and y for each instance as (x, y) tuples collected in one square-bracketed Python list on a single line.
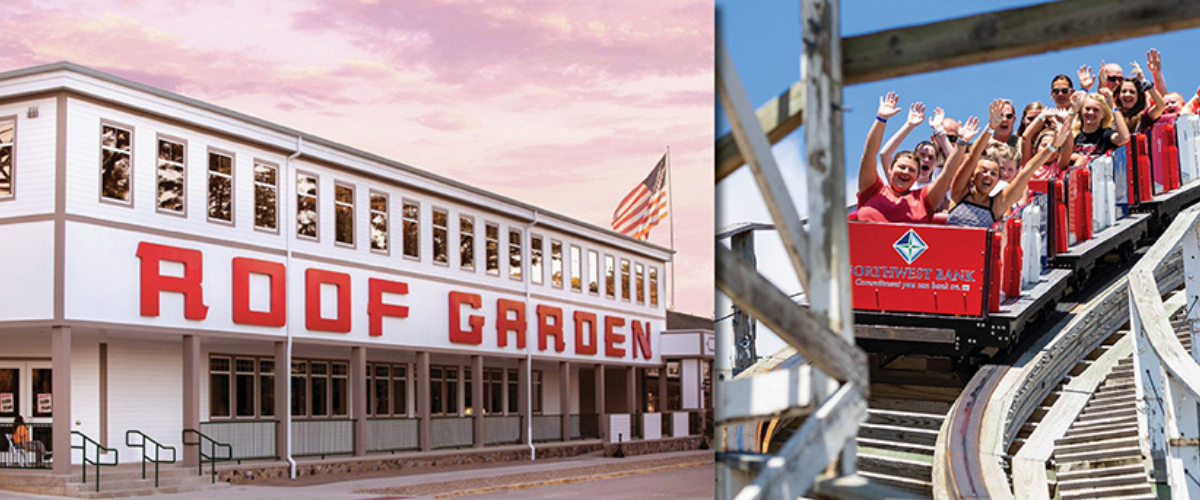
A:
[(664, 405), (477, 398), (191, 393), (600, 410), (283, 374), (423, 399), (60, 344), (631, 402), (564, 398), (523, 403), (358, 397)]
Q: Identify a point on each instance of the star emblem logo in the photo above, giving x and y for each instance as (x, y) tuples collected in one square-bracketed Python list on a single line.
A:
[(910, 246)]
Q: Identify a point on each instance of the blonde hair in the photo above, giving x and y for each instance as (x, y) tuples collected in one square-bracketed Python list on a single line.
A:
[(1000, 151), (1104, 122)]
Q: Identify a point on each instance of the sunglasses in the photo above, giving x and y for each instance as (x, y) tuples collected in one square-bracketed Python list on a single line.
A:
[(1008, 115), (1060, 90), (952, 138)]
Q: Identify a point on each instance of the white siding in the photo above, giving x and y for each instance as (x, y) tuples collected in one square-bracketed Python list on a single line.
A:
[(27, 251), (85, 390), (35, 152), (145, 383)]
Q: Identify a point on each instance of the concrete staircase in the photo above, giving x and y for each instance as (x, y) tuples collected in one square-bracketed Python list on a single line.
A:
[(1100, 456), (126, 481), (896, 446)]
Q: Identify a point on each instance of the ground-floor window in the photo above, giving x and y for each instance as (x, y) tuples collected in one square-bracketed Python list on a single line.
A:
[(443, 390), (536, 378), (241, 387), (387, 390), (320, 388)]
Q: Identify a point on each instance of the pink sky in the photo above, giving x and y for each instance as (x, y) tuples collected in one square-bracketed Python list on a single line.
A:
[(564, 105)]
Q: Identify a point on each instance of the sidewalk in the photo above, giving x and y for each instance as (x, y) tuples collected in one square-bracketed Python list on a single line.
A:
[(447, 483)]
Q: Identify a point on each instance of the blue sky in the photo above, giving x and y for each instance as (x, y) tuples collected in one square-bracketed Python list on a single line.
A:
[(763, 38)]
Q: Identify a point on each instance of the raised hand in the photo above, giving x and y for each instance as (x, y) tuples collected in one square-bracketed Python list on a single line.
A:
[(1085, 76), (1154, 62), (888, 106), (936, 120), (916, 114), (968, 129), (1137, 70), (995, 112), (1103, 74), (1108, 96), (1077, 100)]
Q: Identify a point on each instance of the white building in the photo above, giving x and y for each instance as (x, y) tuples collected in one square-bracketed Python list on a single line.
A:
[(167, 262)]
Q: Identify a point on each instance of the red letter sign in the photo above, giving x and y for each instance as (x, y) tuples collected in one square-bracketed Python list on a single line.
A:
[(585, 319), (313, 279), (242, 269), (475, 334), (641, 339), (376, 309), (546, 329), (505, 325), (611, 338), (189, 285)]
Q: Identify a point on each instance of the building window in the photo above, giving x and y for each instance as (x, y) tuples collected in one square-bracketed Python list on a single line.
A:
[(241, 387), (379, 390), (593, 272), (654, 286), (306, 206), (443, 390), (116, 164), (610, 277), (400, 390), (466, 243), (640, 284), (556, 264), (514, 254), (266, 387), (412, 226), (535, 260), (320, 388), (624, 279), (340, 393), (299, 388), (491, 235), (536, 402), (266, 196), (379, 222), (171, 176), (219, 378), (514, 391), (343, 214), (576, 269), (220, 187), (441, 235), (493, 390), (7, 135)]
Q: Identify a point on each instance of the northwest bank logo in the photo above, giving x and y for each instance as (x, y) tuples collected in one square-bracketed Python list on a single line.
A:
[(910, 246)]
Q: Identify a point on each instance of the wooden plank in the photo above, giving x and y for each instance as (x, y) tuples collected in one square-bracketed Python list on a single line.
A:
[(856, 487), (795, 324), (753, 144), (905, 419), (982, 38), (899, 434), (811, 448), (899, 391), (778, 117), (780, 393)]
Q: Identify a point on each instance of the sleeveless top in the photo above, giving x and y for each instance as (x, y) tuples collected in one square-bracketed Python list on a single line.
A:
[(971, 215)]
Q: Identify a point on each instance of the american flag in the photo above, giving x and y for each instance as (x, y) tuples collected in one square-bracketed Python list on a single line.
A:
[(645, 206)]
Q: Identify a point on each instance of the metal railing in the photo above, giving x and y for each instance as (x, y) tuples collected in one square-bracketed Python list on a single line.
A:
[(213, 446), (251, 439), (83, 447), (451, 432), (31, 454), (547, 428), (393, 434), (322, 437), (159, 448), (501, 429)]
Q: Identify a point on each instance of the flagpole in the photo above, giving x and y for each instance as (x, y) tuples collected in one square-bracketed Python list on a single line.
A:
[(671, 214)]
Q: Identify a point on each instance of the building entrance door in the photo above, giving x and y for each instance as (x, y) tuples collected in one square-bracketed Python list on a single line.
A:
[(25, 390)]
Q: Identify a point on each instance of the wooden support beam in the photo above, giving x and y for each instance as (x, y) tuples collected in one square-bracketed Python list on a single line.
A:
[(822, 437), (982, 38), (753, 145), (794, 323), (779, 393)]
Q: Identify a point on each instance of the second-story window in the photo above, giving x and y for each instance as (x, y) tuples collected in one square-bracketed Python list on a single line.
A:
[(491, 235), (220, 187), (306, 206), (116, 164), (640, 284), (514, 254), (343, 214), (412, 229), (624, 279), (654, 286), (171, 176), (466, 243), (610, 277), (556, 264), (379, 222), (593, 272), (7, 128), (266, 196), (576, 269), (535, 259), (441, 235)]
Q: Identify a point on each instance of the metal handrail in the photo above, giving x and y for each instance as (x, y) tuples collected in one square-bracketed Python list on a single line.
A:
[(212, 457), (96, 463), (158, 447)]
